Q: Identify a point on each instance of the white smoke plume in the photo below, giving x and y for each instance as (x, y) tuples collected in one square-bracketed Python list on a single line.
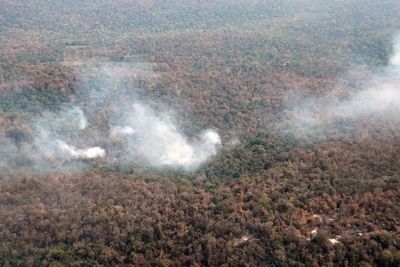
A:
[(137, 132), (121, 129), (88, 153), (395, 59), (379, 97), (53, 129), (117, 130), (157, 139), (54, 141)]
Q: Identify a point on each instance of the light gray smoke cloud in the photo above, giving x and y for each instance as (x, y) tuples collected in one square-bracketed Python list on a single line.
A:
[(161, 143), (47, 143), (382, 93), (88, 153), (121, 129), (395, 59), (142, 133), (53, 131), (379, 97)]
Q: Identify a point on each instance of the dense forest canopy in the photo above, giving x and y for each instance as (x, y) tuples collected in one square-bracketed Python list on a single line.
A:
[(199, 133)]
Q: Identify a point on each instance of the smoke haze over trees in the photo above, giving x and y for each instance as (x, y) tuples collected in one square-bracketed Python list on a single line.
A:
[(199, 133)]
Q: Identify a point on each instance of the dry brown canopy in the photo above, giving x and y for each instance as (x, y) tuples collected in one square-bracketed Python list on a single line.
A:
[(258, 220), (275, 198)]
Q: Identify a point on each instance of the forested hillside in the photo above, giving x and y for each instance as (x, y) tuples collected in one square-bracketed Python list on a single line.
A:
[(284, 121)]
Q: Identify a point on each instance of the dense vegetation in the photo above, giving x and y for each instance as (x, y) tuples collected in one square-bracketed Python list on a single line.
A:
[(276, 197)]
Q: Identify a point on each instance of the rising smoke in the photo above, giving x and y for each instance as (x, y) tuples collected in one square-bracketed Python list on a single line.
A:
[(158, 140), (379, 98), (139, 133), (121, 129), (54, 132), (88, 153)]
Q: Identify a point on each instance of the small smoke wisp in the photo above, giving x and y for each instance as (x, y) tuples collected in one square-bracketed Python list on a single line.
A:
[(126, 130), (395, 59), (88, 153)]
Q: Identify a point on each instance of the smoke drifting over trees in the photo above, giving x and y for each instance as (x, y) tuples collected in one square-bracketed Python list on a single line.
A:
[(379, 97), (157, 139), (199, 133), (145, 136)]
